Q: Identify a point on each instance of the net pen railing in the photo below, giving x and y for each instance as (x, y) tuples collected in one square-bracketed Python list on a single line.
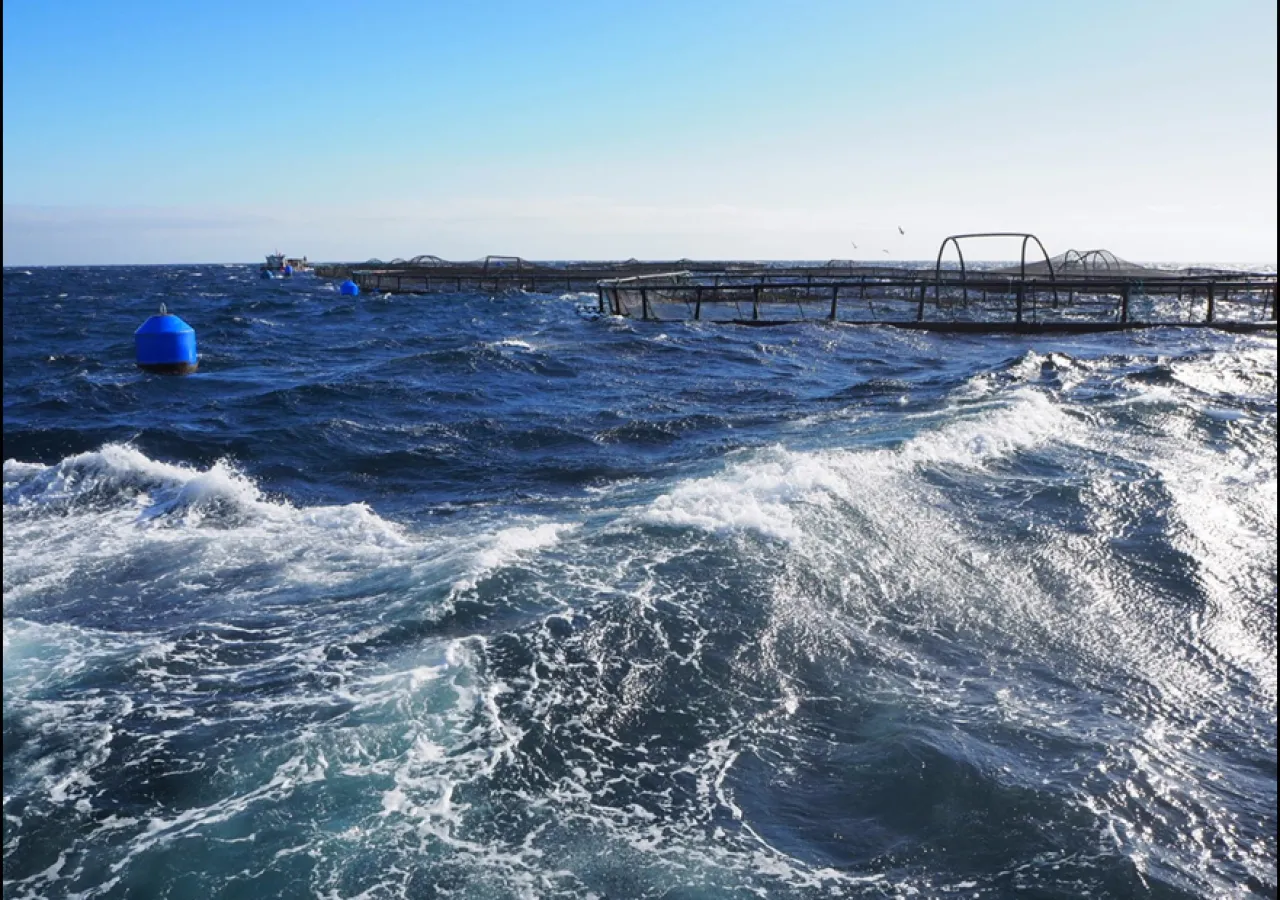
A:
[(923, 299)]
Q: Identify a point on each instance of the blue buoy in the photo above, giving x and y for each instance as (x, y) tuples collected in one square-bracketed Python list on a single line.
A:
[(166, 345), (350, 288), (288, 271), (265, 274)]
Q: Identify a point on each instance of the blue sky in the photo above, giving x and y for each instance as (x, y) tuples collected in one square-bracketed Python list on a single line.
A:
[(139, 132)]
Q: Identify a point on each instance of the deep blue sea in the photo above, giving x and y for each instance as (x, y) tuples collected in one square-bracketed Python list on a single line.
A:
[(482, 596)]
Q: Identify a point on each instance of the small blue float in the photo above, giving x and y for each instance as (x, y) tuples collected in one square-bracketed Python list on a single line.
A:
[(288, 271), (265, 274), (166, 345), (350, 288)]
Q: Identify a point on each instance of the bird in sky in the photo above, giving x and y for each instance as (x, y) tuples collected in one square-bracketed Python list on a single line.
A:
[(855, 246), (900, 231), (884, 251)]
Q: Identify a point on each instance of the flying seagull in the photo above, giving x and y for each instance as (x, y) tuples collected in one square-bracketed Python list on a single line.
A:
[(855, 246), (884, 251), (900, 231)]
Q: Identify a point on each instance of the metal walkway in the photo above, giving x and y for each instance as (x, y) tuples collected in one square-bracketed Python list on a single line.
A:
[(1079, 291)]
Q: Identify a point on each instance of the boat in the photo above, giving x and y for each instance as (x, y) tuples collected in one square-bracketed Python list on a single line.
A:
[(280, 266)]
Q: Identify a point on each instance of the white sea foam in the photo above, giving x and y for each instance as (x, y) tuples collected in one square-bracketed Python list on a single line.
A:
[(216, 539), (517, 343), (1025, 420), (902, 551), (1249, 373), (765, 492), (757, 495), (500, 549), (876, 547), (209, 537)]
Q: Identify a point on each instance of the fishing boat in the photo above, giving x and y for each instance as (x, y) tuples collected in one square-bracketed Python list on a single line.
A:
[(280, 266)]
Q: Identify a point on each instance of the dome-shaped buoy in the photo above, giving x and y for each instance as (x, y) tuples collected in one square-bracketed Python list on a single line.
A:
[(288, 271), (265, 274), (166, 345), (350, 288)]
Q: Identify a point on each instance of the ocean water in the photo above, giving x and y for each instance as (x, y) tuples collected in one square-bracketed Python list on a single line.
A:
[(482, 596)]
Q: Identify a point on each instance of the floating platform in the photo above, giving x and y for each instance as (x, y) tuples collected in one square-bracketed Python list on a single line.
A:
[(1079, 291), (432, 275), (983, 303)]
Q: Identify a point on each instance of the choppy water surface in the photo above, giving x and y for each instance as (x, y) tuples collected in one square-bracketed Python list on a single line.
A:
[(478, 596)]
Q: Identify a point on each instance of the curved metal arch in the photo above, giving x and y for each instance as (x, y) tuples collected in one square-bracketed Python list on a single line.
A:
[(964, 286), (1091, 260)]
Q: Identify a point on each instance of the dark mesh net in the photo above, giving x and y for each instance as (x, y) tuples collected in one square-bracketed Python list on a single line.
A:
[(1090, 264)]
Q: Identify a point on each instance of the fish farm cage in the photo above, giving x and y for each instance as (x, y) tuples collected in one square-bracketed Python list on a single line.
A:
[(1091, 290), (431, 274)]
